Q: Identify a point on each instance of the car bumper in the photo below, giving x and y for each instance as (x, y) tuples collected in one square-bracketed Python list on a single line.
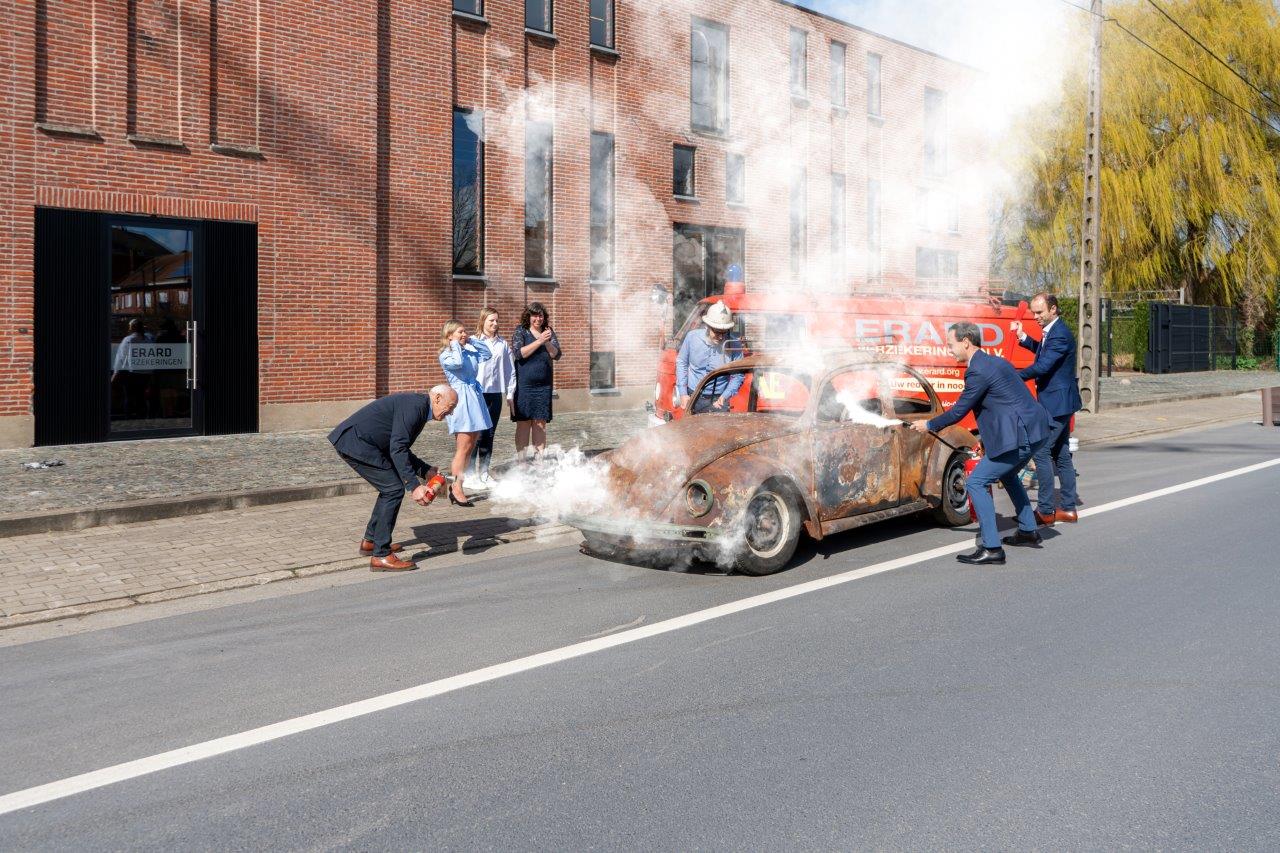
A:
[(632, 535)]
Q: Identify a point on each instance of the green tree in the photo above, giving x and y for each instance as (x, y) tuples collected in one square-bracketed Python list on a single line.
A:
[(1191, 185)]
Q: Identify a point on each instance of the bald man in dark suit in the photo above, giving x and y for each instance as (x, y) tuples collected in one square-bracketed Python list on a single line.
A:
[(377, 443)]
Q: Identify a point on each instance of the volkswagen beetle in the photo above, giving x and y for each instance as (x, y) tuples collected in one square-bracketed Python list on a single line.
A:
[(817, 450)]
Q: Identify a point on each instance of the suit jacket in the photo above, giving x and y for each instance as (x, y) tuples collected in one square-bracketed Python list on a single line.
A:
[(382, 433), (1001, 403), (1054, 370)]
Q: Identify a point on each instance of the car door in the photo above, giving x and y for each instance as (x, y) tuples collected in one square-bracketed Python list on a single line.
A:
[(855, 456), (909, 399)]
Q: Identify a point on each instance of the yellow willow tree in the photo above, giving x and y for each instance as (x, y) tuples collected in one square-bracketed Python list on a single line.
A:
[(1191, 183)]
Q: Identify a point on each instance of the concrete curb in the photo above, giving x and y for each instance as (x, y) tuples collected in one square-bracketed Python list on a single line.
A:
[(70, 612), (1177, 398)]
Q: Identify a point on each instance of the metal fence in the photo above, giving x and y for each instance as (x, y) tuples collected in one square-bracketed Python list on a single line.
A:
[(1185, 338)]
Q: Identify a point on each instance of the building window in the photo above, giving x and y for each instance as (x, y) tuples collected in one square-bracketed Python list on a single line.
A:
[(471, 7), (837, 230), (602, 23), (602, 195), (799, 63), (537, 15), (874, 264), (468, 192), (937, 268), (538, 198), (873, 84), (603, 376), (935, 132), (683, 178), (799, 221), (837, 75), (709, 77), (735, 179)]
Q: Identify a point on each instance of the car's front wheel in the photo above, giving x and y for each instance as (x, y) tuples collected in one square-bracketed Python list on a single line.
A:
[(771, 531)]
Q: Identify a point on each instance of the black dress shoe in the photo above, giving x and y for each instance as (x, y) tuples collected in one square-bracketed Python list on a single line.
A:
[(1024, 537), (983, 557)]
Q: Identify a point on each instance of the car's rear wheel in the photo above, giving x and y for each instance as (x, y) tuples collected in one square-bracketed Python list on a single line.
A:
[(953, 510), (772, 530)]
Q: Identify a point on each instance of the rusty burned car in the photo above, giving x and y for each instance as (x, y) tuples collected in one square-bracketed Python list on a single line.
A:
[(818, 450)]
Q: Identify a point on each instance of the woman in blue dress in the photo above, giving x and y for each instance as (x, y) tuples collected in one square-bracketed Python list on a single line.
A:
[(535, 347), (459, 358)]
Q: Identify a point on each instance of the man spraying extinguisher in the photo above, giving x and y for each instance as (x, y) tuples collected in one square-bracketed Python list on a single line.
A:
[(1013, 427)]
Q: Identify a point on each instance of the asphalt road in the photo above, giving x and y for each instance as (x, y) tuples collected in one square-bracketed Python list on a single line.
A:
[(1119, 687)]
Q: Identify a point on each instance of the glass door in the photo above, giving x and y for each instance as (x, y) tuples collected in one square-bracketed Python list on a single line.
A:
[(152, 329)]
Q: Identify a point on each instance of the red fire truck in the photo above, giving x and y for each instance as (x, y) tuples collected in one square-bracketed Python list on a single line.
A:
[(910, 330)]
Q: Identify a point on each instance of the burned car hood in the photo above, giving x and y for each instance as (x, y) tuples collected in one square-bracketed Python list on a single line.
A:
[(647, 471)]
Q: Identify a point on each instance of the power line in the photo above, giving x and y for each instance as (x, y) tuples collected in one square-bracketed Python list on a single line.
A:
[(1203, 47), (1157, 52), (1154, 50)]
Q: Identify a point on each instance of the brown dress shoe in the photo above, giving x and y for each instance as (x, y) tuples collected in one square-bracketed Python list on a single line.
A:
[(366, 547), (390, 563), (1066, 515), (1045, 520)]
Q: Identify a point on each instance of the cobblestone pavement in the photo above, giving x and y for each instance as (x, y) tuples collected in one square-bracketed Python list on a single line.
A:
[(115, 472), (51, 575), (120, 565)]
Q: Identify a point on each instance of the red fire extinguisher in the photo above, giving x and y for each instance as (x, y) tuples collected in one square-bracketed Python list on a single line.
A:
[(975, 456)]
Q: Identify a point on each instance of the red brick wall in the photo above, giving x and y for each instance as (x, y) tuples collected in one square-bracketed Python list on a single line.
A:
[(269, 110)]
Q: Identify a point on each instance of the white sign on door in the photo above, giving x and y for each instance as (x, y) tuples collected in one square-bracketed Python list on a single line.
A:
[(150, 356)]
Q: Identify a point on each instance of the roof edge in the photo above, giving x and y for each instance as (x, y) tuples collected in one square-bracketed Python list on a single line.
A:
[(841, 21)]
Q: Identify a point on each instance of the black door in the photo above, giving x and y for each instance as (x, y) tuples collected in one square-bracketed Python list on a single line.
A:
[(165, 317), (72, 362)]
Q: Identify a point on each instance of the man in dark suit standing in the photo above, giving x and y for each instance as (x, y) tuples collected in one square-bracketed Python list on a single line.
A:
[(1012, 427), (1054, 371), (376, 442)]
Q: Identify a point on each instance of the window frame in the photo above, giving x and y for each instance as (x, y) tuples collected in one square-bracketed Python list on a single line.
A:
[(841, 102), (731, 157), (477, 12), (935, 147), (721, 104), (602, 137), (693, 170), (799, 88), (531, 132), (839, 227), (549, 12), (798, 221), (875, 232), (875, 85), (608, 22), (478, 269)]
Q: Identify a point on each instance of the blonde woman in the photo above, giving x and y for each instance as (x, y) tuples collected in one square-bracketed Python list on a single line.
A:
[(460, 358), (497, 378)]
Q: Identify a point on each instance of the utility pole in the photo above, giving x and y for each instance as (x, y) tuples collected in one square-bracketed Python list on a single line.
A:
[(1089, 340)]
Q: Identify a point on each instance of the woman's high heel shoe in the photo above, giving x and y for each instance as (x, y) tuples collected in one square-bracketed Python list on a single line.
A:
[(454, 500)]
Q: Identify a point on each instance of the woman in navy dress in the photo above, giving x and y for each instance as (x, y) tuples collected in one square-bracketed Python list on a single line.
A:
[(535, 347), (459, 358)]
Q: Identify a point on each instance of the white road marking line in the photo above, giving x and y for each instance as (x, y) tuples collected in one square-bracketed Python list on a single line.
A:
[(264, 734)]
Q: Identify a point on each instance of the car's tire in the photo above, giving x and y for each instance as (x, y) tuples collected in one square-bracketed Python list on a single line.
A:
[(773, 522), (953, 509)]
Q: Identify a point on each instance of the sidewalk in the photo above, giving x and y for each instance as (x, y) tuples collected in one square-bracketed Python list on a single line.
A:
[(49, 576)]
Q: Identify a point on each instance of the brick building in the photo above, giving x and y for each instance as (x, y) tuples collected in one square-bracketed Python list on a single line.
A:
[(280, 204)]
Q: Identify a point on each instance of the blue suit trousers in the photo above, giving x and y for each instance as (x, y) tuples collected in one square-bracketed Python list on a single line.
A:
[(1054, 457), (1003, 468)]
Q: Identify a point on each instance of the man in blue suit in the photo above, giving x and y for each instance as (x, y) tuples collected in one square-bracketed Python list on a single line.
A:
[(1012, 426), (1054, 371), (377, 442)]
